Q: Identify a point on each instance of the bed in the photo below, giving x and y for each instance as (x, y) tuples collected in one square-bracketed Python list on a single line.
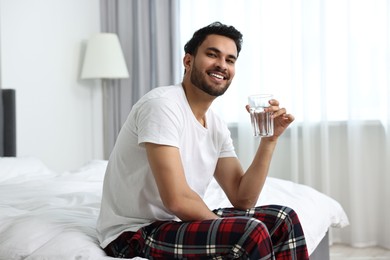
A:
[(51, 215)]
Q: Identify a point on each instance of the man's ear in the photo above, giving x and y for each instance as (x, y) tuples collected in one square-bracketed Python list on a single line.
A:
[(187, 61)]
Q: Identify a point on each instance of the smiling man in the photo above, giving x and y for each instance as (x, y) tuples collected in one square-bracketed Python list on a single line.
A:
[(166, 154)]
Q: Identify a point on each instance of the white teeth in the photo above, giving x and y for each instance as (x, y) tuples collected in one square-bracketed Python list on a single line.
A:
[(216, 75)]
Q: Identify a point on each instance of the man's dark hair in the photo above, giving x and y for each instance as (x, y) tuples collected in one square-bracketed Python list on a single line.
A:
[(218, 28)]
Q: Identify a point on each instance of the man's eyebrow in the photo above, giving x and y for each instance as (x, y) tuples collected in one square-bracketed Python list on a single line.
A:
[(231, 56)]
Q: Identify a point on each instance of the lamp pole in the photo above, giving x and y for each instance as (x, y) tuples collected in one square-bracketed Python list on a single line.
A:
[(104, 60)]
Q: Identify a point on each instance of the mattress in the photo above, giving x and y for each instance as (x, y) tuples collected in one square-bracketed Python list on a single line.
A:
[(50, 215)]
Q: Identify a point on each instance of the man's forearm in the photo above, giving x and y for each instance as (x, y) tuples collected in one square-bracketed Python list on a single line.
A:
[(252, 181), (191, 208)]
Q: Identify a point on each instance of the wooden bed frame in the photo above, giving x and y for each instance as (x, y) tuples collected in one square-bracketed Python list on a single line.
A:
[(8, 148)]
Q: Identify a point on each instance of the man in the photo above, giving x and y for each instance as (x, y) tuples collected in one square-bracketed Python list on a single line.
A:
[(166, 154)]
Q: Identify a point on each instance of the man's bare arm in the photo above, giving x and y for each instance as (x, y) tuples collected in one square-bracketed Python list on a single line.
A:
[(177, 196), (243, 190)]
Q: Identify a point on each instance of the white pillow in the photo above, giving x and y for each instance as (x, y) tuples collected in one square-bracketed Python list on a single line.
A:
[(16, 167)]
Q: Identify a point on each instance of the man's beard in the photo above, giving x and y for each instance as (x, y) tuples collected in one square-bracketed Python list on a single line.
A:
[(198, 80)]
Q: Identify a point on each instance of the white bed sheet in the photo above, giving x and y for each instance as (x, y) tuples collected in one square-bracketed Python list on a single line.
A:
[(48, 215)]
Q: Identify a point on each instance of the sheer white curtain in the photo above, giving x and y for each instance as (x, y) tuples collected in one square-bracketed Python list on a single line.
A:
[(328, 62)]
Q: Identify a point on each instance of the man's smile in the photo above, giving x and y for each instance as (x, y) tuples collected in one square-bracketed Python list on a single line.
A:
[(217, 76)]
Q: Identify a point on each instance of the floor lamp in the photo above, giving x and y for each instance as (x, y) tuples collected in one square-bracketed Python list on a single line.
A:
[(104, 60)]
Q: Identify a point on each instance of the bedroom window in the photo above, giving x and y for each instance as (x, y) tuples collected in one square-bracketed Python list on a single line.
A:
[(324, 60)]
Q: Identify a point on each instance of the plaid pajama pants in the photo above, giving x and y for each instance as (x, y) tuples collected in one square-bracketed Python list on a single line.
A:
[(266, 232)]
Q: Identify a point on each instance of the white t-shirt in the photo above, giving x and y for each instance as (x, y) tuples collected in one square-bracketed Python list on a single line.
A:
[(163, 116)]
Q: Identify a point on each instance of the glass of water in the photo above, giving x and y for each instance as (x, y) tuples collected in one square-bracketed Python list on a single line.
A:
[(262, 122)]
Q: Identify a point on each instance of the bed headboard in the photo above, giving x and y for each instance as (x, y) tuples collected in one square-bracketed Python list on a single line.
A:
[(8, 122)]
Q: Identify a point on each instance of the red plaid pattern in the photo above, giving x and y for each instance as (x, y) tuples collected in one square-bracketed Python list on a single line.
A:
[(267, 232)]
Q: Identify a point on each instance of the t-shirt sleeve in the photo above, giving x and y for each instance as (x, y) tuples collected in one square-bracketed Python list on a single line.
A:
[(227, 149), (159, 121), (227, 146)]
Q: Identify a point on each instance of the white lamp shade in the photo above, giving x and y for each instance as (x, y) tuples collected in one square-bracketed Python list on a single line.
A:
[(104, 58)]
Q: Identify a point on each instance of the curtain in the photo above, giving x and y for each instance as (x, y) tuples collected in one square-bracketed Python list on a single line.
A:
[(328, 63), (147, 30)]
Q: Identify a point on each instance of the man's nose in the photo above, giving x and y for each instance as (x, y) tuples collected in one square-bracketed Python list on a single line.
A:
[(222, 64)]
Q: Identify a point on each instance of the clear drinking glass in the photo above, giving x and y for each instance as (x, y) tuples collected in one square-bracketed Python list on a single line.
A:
[(262, 122)]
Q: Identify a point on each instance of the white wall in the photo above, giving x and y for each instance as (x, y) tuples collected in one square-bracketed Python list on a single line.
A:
[(59, 116)]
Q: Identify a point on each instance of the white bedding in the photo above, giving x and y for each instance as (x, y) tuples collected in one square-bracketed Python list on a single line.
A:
[(48, 215)]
